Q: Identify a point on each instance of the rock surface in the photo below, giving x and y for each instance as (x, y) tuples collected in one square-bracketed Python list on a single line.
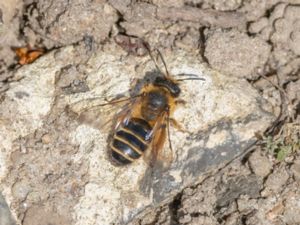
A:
[(236, 53), (260, 164), (5, 215), (222, 113), (63, 22)]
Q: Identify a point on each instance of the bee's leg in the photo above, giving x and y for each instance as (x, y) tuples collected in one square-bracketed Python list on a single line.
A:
[(180, 102), (169, 133), (169, 137), (178, 126)]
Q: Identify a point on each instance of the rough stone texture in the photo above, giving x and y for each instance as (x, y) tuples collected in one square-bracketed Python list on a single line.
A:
[(37, 215), (287, 30), (258, 25), (26, 119), (222, 5), (256, 9), (9, 23), (63, 22), (5, 215), (204, 17), (283, 32), (291, 214), (162, 24), (278, 209), (233, 188), (23, 111), (232, 196), (222, 113), (226, 197), (237, 54), (296, 170), (174, 3), (8, 31), (276, 181), (44, 157), (246, 204), (201, 202), (260, 164)]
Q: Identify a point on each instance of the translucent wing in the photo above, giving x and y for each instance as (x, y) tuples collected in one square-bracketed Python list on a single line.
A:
[(161, 156), (99, 114)]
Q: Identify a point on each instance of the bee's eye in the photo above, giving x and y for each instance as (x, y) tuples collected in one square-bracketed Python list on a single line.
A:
[(172, 87)]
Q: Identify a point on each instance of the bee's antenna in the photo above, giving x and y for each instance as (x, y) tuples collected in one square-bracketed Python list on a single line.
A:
[(151, 56), (155, 62), (186, 75), (191, 78), (163, 61)]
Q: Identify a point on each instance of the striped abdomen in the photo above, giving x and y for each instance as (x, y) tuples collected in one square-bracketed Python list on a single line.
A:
[(130, 141)]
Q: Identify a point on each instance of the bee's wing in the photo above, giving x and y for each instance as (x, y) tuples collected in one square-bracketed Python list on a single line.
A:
[(99, 114), (160, 156)]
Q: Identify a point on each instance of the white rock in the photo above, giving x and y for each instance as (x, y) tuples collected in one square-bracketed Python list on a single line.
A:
[(222, 113)]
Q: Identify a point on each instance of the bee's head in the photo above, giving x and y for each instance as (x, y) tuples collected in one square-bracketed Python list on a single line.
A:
[(169, 84), (166, 80)]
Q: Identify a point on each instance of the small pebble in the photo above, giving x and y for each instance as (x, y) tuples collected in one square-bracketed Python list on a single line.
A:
[(46, 139), (260, 164)]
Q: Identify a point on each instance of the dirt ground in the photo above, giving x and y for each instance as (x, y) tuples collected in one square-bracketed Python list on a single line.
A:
[(255, 40)]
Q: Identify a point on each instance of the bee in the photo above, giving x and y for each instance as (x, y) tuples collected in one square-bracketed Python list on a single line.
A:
[(144, 121)]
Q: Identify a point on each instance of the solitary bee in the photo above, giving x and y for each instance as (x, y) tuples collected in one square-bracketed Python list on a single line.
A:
[(145, 119)]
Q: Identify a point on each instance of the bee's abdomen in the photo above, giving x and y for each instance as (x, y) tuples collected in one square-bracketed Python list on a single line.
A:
[(130, 141)]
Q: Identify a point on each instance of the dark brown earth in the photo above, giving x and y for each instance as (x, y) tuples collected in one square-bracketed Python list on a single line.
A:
[(255, 40)]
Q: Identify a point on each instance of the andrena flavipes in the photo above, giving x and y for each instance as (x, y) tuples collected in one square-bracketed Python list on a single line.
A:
[(142, 125)]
